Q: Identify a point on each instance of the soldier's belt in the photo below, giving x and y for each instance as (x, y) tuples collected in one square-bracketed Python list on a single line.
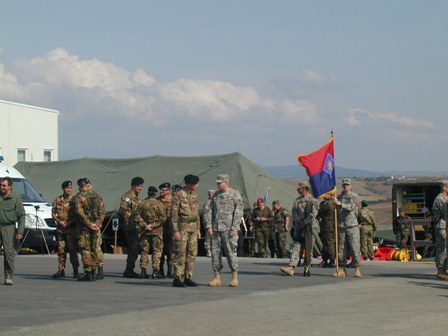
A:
[(188, 221)]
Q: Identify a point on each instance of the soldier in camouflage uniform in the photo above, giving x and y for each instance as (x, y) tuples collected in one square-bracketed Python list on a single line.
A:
[(401, 227), (281, 227), (439, 213), (206, 210), (223, 223), (90, 211), (367, 229), (128, 206), (304, 213), (166, 199), (261, 217), (150, 218), (326, 215), (348, 231), (66, 235), (186, 227)]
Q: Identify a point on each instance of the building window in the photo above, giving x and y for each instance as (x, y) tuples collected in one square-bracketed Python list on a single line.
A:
[(47, 155), (21, 155)]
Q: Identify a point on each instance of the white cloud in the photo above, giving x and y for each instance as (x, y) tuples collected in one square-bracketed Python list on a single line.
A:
[(362, 117)]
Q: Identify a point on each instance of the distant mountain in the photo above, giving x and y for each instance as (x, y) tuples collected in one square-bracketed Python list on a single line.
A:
[(285, 172)]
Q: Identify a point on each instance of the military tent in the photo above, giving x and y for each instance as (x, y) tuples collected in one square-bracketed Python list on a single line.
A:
[(112, 177)]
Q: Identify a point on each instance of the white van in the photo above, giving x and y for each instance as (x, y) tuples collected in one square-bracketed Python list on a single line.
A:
[(38, 221)]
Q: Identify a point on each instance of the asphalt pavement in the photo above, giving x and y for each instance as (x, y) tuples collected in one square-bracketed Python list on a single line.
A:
[(391, 297)]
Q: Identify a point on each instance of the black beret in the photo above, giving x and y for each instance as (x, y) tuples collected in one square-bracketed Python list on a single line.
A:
[(191, 179), (176, 187), (82, 181), (137, 180), (152, 189), (66, 184), (165, 185)]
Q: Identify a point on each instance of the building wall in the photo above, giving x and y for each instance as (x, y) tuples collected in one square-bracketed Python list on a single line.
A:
[(31, 129)]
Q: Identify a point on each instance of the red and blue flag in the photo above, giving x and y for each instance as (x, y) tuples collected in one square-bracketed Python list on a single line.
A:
[(320, 168)]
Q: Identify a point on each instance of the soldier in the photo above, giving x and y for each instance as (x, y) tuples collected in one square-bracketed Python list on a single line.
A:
[(261, 216), (186, 226), (128, 206), (401, 228), (223, 223), (367, 229), (281, 227), (206, 210), (326, 215), (151, 215), (348, 232), (89, 208), (166, 199), (439, 220), (65, 233), (304, 213), (11, 212)]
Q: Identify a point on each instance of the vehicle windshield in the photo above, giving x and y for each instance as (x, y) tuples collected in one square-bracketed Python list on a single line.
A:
[(26, 191)]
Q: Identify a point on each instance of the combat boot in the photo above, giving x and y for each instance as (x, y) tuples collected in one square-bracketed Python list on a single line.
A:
[(169, 273), (441, 274), (340, 273), (88, 276), (190, 283), (306, 271), (8, 280), (288, 270), (357, 272), (157, 275), (129, 273), (59, 274), (209, 253), (216, 282), (100, 275), (178, 283), (234, 282)]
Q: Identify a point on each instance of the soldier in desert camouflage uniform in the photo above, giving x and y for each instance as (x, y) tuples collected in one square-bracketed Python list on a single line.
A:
[(90, 211), (348, 231), (186, 226), (166, 198), (128, 206), (66, 235), (366, 220), (281, 227), (223, 223), (150, 217)]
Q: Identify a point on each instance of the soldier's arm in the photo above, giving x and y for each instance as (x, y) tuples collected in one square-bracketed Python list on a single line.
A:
[(79, 209), (20, 213), (125, 208), (208, 214), (175, 214), (237, 213), (54, 210), (101, 212)]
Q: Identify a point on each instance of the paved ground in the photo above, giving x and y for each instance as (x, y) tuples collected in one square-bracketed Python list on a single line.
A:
[(391, 297)]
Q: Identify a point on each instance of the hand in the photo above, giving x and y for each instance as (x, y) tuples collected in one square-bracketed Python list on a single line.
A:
[(210, 231), (148, 227), (63, 224), (19, 236), (177, 235), (199, 234), (94, 227), (233, 233)]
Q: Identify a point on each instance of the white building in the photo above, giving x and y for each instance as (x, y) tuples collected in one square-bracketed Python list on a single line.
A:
[(28, 133)]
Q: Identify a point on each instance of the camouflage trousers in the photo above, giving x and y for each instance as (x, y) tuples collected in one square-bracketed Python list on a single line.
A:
[(328, 239), (133, 243), (154, 243), (349, 244), (67, 242), (280, 244), (298, 246), (90, 246), (366, 239), (185, 251), (220, 241), (262, 239), (207, 241), (441, 248), (402, 237)]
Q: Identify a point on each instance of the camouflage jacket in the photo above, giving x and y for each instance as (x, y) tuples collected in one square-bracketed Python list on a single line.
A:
[(61, 207), (185, 211), (167, 202), (348, 210), (401, 224), (258, 213), (304, 211), (280, 219), (89, 208), (367, 217), (128, 206), (326, 215), (439, 211), (226, 211), (150, 211)]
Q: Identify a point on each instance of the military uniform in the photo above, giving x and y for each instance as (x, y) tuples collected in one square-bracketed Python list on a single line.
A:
[(89, 208), (439, 218), (261, 229), (151, 212), (279, 220), (326, 215), (167, 236), (128, 206), (185, 220), (67, 237), (366, 219), (401, 228), (207, 240)]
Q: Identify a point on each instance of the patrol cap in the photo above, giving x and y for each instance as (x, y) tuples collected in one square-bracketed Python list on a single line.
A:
[(303, 185), (444, 183), (222, 178), (152, 189), (66, 184), (165, 185), (137, 180), (276, 202), (364, 203), (346, 181), (82, 181), (400, 210), (191, 179), (211, 192)]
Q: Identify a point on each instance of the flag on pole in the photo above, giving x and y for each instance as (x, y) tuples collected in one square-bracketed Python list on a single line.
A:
[(265, 198), (320, 168)]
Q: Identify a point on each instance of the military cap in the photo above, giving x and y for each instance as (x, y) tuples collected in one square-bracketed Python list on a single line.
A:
[(152, 189), (191, 179), (346, 181), (66, 184), (222, 178), (82, 181), (400, 210), (444, 183), (165, 185), (137, 180), (364, 203), (259, 200), (303, 185), (211, 192), (276, 202), (176, 187)]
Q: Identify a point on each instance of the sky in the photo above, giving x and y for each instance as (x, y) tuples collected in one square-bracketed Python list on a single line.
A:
[(268, 79)]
